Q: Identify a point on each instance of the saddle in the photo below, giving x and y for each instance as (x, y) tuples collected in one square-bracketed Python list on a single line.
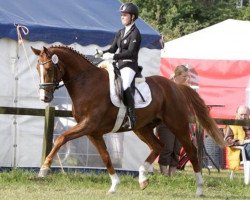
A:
[(142, 94)]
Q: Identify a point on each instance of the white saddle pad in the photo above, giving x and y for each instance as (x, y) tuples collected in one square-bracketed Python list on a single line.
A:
[(140, 83)]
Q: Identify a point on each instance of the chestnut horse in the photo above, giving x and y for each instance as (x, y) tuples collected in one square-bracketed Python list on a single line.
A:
[(88, 87)]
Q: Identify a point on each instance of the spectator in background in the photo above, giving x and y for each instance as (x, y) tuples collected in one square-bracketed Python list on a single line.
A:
[(169, 157), (237, 136)]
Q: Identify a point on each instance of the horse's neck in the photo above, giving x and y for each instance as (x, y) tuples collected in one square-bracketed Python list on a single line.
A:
[(80, 76), (75, 66)]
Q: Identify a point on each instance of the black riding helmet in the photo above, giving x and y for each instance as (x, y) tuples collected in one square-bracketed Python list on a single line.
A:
[(130, 8)]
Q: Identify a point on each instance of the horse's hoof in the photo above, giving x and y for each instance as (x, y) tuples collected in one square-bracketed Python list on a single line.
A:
[(144, 184), (199, 193), (110, 192), (43, 172)]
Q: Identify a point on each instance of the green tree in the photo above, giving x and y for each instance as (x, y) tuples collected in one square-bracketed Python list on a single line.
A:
[(175, 18)]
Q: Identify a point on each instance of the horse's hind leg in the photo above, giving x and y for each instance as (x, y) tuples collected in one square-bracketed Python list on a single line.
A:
[(192, 154), (146, 134), (100, 145), (182, 133)]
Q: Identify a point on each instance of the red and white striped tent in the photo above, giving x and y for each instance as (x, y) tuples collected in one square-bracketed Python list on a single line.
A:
[(220, 56)]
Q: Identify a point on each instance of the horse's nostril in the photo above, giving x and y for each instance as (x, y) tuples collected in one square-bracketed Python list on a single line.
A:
[(48, 98)]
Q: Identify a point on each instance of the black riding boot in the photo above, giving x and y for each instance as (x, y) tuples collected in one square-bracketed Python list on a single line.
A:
[(128, 99)]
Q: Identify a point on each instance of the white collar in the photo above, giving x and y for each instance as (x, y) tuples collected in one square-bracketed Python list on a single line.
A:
[(127, 28)]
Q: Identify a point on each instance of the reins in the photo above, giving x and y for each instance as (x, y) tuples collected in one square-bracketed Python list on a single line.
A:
[(72, 79), (78, 75)]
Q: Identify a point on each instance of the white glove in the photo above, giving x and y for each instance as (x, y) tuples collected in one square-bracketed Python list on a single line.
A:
[(99, 53), (108, 56), (241, 142), (246, 141)]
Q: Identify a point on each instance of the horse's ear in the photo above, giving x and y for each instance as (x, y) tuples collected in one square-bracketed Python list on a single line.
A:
[(46, 51), (35, 51)]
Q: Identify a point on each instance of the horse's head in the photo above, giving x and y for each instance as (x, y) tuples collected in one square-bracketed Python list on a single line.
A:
[(49, 72)]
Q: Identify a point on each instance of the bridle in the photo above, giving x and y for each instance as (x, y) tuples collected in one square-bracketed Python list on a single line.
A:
[(55, 84)]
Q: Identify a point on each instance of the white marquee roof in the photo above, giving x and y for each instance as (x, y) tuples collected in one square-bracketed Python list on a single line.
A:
[(227, 40)]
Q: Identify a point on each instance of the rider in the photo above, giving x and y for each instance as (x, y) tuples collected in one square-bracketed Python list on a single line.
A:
[(127, 41)]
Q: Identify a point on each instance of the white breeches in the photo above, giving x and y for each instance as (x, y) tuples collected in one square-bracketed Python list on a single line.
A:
[(127, 75)]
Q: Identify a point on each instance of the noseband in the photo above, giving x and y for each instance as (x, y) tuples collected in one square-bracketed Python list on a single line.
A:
[(54, 84)]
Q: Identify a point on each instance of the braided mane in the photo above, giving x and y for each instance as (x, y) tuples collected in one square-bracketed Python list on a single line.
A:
[(73, 50)]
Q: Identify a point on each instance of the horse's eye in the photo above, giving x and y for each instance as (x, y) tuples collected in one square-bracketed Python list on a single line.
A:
[(49, 69)]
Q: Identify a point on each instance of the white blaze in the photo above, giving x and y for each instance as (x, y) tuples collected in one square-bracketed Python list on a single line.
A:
[(41, 74), (42, 91)]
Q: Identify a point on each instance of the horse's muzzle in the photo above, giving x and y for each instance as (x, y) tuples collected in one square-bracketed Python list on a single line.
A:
[(46, 96)]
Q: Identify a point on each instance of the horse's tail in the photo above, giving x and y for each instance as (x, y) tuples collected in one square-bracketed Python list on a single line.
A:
[(202, 114)]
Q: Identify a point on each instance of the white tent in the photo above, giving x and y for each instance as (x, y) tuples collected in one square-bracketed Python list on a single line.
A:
[(220, 56), (84, 26)]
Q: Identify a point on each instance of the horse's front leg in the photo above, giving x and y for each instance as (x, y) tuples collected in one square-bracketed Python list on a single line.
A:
[(72, 133), (146, 134), (100, 145)]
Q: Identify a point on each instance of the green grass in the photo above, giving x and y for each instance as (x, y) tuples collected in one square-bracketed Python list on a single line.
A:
[(18, 184)]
